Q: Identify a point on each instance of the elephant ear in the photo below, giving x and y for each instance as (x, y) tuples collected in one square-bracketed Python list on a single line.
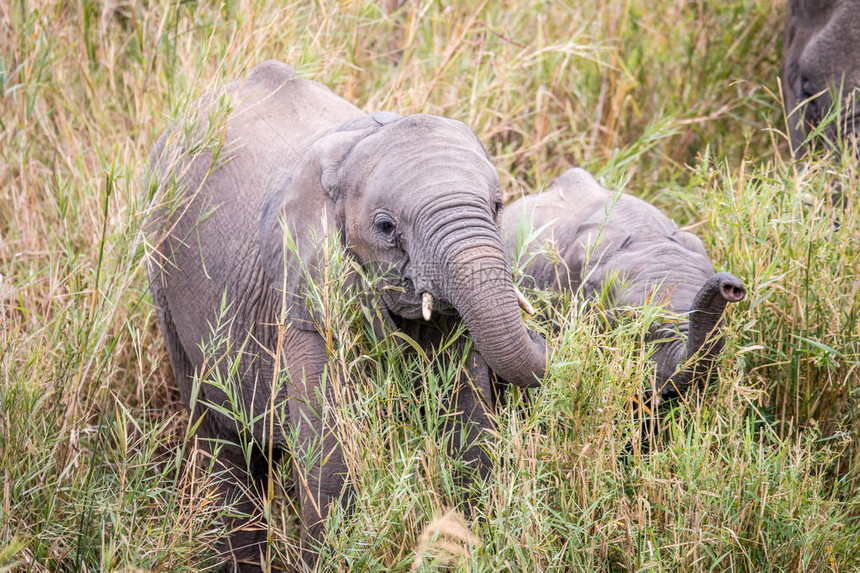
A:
[(304, 216), (589, 255), (330, 152)]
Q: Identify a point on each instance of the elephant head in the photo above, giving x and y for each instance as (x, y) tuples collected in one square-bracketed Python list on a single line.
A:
[(647, 258), (821, 69), (628, 250), (418, 198)]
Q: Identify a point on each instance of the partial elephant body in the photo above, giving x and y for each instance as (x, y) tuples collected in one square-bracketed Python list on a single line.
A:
[(274, 160), (213, 214), (620, 247), (821, 60)]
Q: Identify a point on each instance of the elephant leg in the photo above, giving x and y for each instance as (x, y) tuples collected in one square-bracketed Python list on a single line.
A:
[(469, 421), (319, 467), (241, 485)]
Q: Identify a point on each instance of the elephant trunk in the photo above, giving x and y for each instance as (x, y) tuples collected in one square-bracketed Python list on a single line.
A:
[(696, 352), (476, 281), (707, 312)]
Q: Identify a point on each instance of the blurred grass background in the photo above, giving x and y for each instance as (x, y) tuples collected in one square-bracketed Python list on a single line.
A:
[(677, 102)]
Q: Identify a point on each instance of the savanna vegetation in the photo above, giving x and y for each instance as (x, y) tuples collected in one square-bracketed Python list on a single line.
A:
[(676, 102)]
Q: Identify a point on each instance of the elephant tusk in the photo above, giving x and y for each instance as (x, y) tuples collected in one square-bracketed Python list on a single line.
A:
[(524, 304), (427, 305)]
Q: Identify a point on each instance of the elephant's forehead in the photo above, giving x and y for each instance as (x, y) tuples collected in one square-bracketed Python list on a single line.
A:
[(423, 135), (430, 154), (661, 255), (677, 272), (431, 178), (426, 124)]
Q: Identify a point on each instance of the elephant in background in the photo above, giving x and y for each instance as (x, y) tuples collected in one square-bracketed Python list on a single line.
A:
[(416, 196), (821, 60), (632, 250)]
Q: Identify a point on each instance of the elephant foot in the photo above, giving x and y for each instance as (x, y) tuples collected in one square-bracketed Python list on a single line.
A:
[(244, 551), (313, 524)]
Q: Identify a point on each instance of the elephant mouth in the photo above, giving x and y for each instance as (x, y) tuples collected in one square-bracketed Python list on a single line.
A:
[(424, 303), (401, 296), (414, 298), (415, 308)]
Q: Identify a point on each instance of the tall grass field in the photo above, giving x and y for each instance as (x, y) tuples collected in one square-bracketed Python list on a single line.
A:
[(673, 101)]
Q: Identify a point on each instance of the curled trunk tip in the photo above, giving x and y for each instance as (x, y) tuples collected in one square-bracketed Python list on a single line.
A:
[(731, 287)]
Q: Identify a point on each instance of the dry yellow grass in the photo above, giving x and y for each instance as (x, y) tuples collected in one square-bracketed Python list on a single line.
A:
[(674, 101)]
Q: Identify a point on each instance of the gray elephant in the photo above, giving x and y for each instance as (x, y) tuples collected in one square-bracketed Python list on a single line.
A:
[(415, 195), (588, 238), (821, 60)]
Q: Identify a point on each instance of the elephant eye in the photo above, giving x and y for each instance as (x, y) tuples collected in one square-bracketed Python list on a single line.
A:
[(384, 226), (497, 208)]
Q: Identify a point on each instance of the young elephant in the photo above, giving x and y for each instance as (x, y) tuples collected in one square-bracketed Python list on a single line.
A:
[(417, 195), (634, 251), (821, 59)]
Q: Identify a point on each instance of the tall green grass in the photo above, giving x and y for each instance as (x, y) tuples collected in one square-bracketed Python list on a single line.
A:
[(675, 102)]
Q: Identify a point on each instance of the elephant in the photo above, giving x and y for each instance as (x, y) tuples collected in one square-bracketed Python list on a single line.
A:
[(244, 187), (821, 61), (625, 250)]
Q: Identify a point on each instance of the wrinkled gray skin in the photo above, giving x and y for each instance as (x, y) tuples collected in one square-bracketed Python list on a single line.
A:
[(821, 60), (416, 193), (640, 254)]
